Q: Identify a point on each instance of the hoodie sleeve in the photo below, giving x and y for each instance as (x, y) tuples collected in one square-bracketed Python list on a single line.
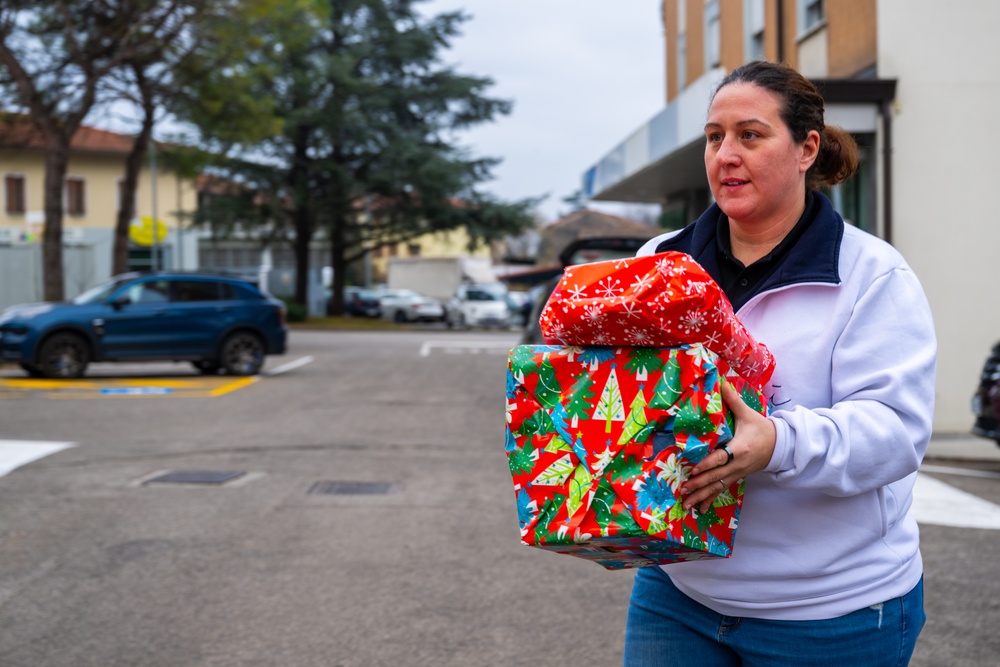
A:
[(879, 421)]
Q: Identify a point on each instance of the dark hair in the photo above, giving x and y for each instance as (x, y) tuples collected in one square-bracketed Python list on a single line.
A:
[(802, 111)]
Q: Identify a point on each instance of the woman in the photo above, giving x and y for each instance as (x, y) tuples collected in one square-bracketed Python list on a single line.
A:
[(826, 569)]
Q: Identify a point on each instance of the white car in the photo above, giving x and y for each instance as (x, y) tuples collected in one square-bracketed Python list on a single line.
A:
[(403, 305), (479, 305)]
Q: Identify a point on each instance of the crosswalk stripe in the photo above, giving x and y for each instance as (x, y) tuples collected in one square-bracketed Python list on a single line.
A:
[(937, 503), (16, 453)]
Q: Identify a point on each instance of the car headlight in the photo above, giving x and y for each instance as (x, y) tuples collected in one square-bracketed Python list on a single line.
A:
[(24, 312)]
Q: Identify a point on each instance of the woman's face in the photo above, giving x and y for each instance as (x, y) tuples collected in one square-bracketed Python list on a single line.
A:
[(755, 169)]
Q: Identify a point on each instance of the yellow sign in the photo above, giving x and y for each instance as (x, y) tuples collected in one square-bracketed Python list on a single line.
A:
[(141, 232)]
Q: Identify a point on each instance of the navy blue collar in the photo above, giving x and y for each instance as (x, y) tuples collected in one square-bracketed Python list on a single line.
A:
[(814, 258)]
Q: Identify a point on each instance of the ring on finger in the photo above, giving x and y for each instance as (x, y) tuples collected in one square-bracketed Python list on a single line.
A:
[(723, 483), (729, 454)]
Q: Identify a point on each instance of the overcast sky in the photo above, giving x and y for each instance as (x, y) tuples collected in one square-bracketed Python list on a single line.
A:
[(583, 75)]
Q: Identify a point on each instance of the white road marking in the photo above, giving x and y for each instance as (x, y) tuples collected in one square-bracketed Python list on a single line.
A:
[(464, 346), (16, 453), (291, 365), (940, 504)]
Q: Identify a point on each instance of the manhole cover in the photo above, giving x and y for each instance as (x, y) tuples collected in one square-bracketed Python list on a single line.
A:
[(354, 488), (196, 477)]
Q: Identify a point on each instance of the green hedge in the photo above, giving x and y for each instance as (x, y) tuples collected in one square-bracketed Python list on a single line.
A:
[(297, 312)]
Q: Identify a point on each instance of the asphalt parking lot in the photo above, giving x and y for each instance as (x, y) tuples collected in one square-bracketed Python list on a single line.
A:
[(351, 506)]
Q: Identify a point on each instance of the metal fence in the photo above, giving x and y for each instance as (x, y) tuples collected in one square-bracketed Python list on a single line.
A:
[(21, 272)]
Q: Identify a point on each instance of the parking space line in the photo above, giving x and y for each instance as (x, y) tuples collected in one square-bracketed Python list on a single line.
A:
[(146, 387), (461, 346), (291, 365)]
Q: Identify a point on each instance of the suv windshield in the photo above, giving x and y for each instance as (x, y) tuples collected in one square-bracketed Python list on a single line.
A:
[(100, 292)]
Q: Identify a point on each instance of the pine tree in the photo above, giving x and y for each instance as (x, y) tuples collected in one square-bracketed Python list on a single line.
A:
[(669, 388), (610, 406), (624, 470), (637, 427), (642, 361), (521, 460), (578, 404), (548, 389), (692, 419), (522, 361)]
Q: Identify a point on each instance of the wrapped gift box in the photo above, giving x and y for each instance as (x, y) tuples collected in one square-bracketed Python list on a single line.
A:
[(660, 300), (599, 441)]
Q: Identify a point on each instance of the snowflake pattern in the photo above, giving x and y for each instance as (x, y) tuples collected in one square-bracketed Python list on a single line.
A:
[(667, 296), (609, 290)]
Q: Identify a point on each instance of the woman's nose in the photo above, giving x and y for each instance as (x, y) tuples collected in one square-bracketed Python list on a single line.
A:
[(728, 152)]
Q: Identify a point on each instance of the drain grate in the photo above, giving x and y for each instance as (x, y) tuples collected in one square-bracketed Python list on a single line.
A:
[(216, 477), (354, 488)]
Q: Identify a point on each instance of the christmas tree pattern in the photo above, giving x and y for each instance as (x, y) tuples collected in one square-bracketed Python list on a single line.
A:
[(642, 361), (578, 402), (693, 419), (590, 479), (610, 407), (521, 460), (593, 356), (669, 388), (547, 390), (522, 362), (637, 427)]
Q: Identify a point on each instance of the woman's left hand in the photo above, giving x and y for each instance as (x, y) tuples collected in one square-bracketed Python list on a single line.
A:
[(752, 446)]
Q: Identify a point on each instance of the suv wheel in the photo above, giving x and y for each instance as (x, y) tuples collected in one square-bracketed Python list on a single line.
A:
[(399, 317), (207, 367), (32, 371), (64, 355), (242, 354)]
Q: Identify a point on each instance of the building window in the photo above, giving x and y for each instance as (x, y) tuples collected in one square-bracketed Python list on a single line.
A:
[(681, 46), (76, 200), (753, 26), (811, 14), (14, 194), (711, 33), (413, 249)]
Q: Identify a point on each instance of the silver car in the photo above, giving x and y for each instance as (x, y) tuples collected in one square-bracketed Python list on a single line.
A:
[(403, 305)]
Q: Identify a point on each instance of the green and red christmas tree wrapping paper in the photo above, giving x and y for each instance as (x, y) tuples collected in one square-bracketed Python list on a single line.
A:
[(599, 441), (659, 300)]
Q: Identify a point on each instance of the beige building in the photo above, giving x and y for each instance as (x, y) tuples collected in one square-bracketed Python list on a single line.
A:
[(913, 80), (91, 196)]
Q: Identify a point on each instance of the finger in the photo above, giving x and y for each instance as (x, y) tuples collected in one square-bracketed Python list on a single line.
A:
[(733, 399), (715, 459), (704, 490)]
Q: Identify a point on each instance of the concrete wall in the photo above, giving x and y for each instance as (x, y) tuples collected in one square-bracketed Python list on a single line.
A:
[(946, 59)]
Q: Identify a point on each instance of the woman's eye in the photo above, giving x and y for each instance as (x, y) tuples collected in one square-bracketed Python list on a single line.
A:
[(715, 136), (749, 134)]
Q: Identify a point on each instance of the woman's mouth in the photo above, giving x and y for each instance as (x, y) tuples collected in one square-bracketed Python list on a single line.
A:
[(732, 182)]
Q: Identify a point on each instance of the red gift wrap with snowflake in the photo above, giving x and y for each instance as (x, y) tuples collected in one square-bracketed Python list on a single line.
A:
[(600, 440), (660, 300)]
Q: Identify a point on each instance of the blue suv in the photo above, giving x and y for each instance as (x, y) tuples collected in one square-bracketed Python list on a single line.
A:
[(215, 322)]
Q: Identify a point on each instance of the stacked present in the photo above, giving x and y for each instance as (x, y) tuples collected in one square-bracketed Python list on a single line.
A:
[(600, 437)]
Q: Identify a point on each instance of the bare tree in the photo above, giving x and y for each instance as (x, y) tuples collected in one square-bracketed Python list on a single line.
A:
[(54, 56)]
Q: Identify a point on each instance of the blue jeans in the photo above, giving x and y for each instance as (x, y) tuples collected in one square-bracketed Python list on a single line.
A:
[(665, 628)]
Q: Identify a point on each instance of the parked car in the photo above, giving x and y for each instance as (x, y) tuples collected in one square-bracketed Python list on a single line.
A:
[(478, 305), (215, 322), (581, 251), (362, 302), (986, 400), (403, 305)]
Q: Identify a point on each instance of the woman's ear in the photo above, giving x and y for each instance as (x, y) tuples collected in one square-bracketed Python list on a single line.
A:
[(810, 151)]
